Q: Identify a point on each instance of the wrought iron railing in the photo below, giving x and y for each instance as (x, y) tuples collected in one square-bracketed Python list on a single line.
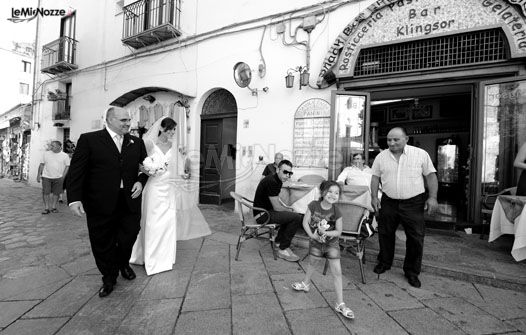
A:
[(61, 110), (61, 50), (144, 15)]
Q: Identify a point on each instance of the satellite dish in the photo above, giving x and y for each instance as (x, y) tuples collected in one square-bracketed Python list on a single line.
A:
[(242, 74)]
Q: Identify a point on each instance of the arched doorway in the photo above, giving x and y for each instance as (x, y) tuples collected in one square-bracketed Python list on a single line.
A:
[(218, 147)]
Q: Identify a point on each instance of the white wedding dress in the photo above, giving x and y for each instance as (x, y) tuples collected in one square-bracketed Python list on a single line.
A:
[(155, 246), (168, 215)]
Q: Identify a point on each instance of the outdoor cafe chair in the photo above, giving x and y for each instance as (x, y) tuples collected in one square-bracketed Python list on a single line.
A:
[(353, 214), (250, 228), (488, 202)]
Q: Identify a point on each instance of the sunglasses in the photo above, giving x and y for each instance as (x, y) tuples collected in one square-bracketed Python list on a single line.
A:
[(290, 173)]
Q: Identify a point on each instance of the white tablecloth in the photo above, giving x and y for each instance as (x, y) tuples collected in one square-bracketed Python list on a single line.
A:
[(301, 195), (501, 225)]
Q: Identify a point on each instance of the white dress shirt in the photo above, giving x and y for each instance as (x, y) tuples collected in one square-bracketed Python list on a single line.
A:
[(117, 139), (403, 179)]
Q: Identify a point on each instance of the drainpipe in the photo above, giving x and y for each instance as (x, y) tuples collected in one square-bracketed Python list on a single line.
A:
[(34, 88)]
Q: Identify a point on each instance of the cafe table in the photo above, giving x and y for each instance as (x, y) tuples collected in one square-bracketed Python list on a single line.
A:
[(509, 217), (299, 195)]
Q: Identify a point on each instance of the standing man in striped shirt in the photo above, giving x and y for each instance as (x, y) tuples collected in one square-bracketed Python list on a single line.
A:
[(401, 170)]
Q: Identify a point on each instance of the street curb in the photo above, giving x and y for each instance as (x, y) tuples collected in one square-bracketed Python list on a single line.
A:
[(479, 277), (430, 267)]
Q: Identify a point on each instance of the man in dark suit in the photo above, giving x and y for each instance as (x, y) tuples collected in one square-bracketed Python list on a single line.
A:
[(104, 182)]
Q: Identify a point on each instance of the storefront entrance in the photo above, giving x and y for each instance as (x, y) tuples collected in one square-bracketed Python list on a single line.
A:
[(472, 131), (451, 73), (437, 119)]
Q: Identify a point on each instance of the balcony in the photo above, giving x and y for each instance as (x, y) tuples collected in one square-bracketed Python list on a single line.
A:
[(148, 22), (59, 56), (61, 113)]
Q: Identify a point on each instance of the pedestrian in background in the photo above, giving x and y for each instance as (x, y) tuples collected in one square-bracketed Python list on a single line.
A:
[(51, 171), (401, 170), (272, 167), (69, 149)]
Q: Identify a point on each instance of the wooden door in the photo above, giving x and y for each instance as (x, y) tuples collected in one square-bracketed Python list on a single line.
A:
[(210, 170)]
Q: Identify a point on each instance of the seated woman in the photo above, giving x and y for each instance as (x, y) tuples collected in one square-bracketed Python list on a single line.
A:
[(357, 174)]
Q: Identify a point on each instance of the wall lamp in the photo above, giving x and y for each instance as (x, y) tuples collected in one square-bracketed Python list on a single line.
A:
[(149, 98), (304, 76)]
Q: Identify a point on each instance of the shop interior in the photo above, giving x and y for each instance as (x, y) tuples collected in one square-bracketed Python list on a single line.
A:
[(437, 120)]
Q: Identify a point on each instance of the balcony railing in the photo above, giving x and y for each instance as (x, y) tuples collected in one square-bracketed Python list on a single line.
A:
[(61, 110), (59, 56), (148, 22)]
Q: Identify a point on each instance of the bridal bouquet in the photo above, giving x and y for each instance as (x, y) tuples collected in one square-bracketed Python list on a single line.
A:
[(155, 165)]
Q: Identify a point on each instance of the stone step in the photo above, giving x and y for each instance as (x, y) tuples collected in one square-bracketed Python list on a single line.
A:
[(484, 276)]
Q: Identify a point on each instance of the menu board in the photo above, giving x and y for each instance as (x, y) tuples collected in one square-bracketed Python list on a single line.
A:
[(311, 133)]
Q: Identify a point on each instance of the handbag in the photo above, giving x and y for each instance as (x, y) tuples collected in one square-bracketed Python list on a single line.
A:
[(366, 228)]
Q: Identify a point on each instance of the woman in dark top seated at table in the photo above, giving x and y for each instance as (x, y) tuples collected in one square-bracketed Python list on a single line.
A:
[(520, 162)]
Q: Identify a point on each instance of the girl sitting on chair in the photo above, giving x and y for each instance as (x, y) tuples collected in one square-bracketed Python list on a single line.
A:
[(323, 223)]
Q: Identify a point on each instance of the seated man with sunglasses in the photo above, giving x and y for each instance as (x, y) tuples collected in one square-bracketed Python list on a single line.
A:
[(267, 197)]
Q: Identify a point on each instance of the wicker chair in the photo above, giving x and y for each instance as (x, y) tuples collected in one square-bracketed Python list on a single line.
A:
[(353, 215), (250, 228)]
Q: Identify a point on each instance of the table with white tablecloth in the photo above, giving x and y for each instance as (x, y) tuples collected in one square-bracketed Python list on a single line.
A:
[(509, 217), (299, 195)]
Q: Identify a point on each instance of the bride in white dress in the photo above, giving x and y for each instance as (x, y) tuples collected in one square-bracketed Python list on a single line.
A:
[(166, 206)]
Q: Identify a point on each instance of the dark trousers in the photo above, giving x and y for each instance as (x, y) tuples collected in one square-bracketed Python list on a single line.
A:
[(112, 238), (288, 222), (410, 213)]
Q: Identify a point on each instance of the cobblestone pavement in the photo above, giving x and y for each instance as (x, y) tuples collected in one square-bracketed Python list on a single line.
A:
[(48, 285)]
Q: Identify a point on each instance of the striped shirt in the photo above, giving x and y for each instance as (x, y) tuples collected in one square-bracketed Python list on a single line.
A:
[(403, 179)]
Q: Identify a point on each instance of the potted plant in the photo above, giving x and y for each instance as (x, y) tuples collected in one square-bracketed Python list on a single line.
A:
[(57, 95)]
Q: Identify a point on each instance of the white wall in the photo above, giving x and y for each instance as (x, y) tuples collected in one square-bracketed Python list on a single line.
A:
[(197, 69)]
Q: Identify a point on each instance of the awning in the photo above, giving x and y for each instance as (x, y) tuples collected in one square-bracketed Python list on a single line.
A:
[(4, 124)]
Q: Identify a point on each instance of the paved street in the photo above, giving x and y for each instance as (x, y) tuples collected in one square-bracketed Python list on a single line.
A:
[(49, 283)]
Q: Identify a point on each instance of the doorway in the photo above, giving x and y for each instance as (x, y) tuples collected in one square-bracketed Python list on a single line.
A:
[(218, 148), (439, 121)]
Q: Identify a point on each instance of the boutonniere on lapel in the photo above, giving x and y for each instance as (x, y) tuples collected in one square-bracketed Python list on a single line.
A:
[(129, 141)]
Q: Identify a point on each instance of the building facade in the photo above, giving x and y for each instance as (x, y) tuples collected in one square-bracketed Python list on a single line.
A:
[(15, 108), (315, 81), (17, 75)]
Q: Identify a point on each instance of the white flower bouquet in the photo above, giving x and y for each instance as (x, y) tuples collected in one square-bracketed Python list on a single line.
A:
[(155, 165)]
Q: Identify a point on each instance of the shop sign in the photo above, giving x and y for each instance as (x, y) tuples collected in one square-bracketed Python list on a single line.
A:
[(311, 133), (388, 21), (313, 108)]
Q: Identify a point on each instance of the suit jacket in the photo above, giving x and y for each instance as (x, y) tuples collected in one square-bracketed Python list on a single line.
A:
[(97, 168)]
